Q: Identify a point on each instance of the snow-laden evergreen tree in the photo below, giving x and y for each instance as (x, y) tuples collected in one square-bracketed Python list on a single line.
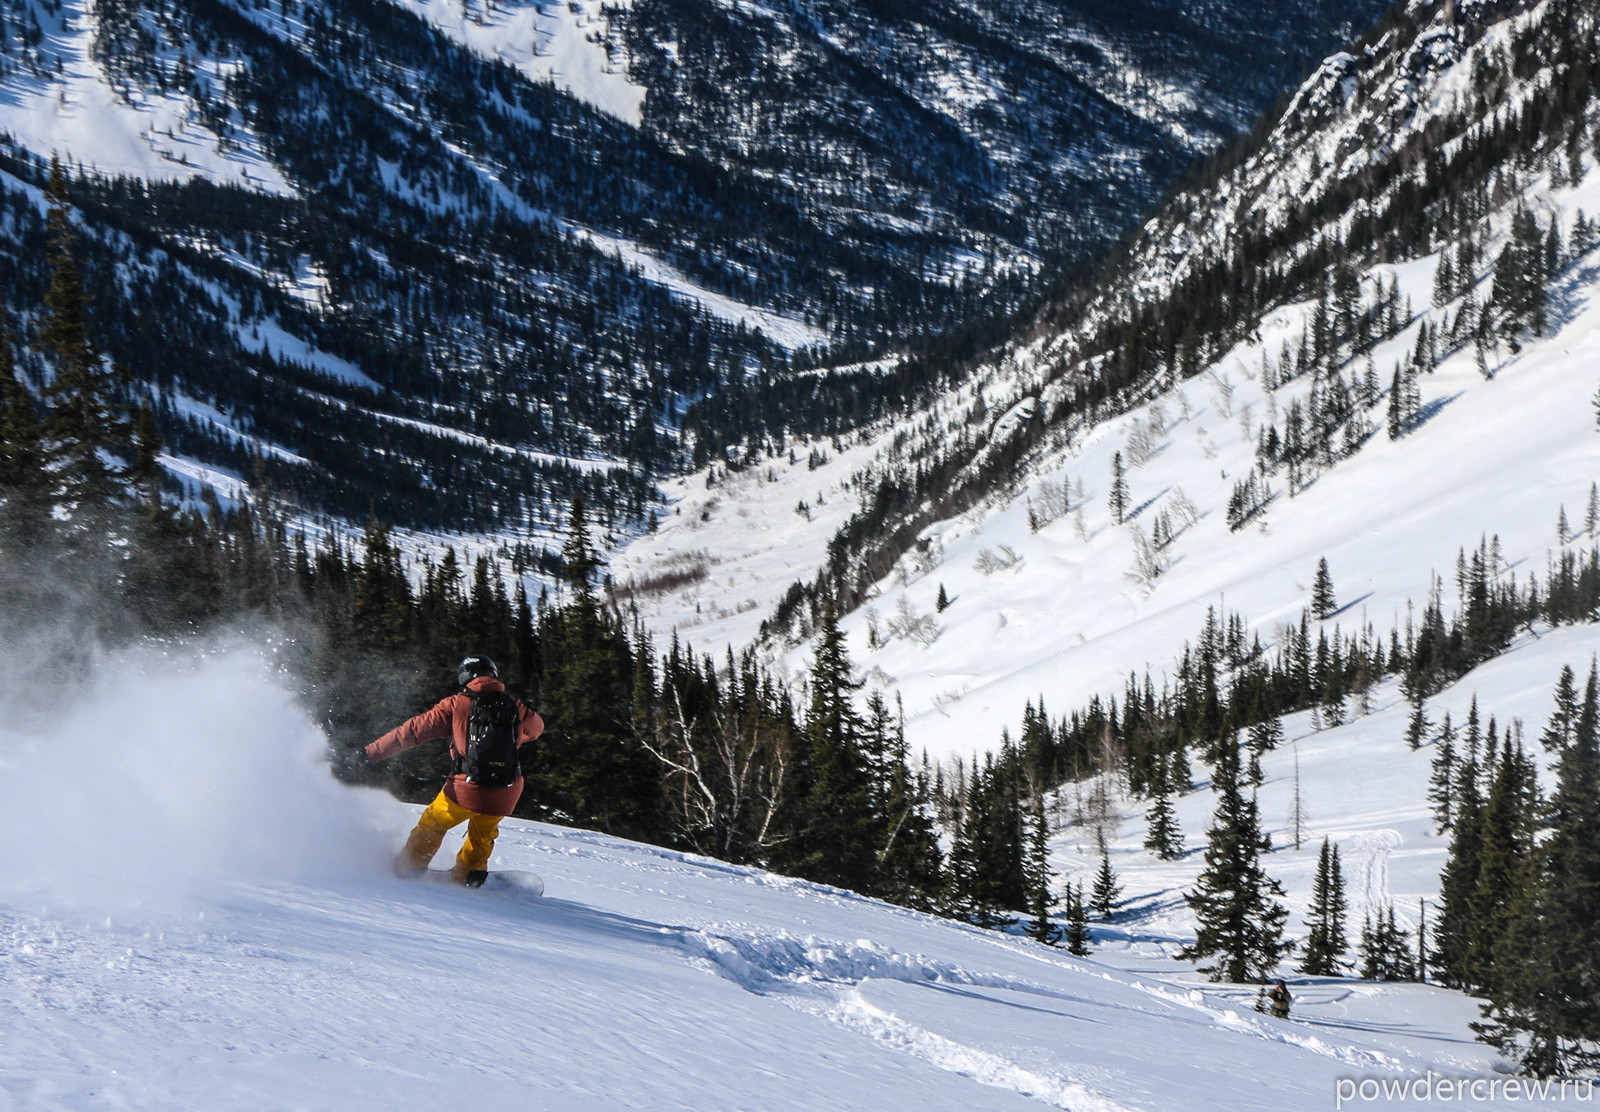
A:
[(1326, 944), (1107, 892), (1239, 917)]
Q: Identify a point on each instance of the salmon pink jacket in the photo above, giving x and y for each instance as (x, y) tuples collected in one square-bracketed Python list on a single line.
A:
[(448, 718)]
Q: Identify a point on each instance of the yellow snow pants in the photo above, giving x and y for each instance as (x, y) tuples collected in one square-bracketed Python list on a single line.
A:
[(442, 815)]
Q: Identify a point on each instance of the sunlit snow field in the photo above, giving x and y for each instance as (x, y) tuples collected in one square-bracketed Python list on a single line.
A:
[(195, 915)]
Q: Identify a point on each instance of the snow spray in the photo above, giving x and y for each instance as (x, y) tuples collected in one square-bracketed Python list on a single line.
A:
[(167, 767)]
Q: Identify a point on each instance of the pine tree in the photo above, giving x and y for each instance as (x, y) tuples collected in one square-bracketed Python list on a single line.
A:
[(579, 558), (1118, 498), (1107, 892), (1239, 919), (1441, 780), (1519, 279), (1547, 1010), (1386, 949), (1076, 936), (909, 865), (1326, 944), (1505, 857), (1164, 839), (1399, 390), (1563, 724), (1418, 725), (942, 603), (840, 837), (1323, 604), (24, 486), (87, 437), (1040, 925)]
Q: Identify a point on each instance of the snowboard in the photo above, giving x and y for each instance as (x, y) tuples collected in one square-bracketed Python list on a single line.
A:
[(516, 882)]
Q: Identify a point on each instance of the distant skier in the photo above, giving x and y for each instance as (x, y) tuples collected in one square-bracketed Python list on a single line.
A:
[(486, 726), (1279, 999)]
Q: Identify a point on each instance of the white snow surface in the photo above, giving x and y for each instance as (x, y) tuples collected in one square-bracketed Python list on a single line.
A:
[(79, 115), (561, 41), (1059, 614), (196, 915)]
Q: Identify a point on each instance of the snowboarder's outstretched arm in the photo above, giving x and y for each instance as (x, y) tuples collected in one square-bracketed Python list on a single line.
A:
[(430, 725)]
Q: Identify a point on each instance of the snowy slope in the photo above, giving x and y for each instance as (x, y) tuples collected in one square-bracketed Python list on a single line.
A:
[(208, 924), (565, 43), (85, 114), (1061, 613)]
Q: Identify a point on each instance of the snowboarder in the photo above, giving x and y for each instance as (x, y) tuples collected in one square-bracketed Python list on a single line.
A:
[(1279, 998), (486, 726)]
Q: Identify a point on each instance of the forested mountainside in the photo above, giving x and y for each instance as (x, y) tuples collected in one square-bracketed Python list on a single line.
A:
[(399, 256), (1433, 140)]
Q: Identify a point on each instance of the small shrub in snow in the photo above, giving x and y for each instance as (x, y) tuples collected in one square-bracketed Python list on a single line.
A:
[(989, 561), (906, 624)]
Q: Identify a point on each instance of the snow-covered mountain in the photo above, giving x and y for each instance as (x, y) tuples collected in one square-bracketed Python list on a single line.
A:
[(210, 924), (997, 494), (462, 259)]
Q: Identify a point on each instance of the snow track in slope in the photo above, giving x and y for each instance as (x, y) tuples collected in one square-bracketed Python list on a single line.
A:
[(982, 1066)]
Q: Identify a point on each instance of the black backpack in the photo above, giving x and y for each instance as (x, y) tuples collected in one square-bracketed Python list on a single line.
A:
[(491, 757)]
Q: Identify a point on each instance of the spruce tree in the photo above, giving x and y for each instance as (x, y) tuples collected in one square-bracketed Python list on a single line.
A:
[(1326, 944), (840, 836), (87, 436), (24, 485), (1505, 858), (1076, 936), (1563, 723), (1107, 892), (1239, 919), (1385, 949), (579, 558), (909, 866), (1118, 498), (1164, 839), (1441, 779), (1546, 1009), (1323, 603), (1418, 725), (1040, 926)]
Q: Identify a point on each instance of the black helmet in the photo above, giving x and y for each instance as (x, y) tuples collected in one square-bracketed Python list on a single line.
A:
[(473, 667)]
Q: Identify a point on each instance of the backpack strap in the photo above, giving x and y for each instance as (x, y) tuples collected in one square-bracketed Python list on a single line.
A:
[(458, 761)]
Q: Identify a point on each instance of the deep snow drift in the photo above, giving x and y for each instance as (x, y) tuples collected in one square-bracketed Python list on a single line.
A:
[(193, 914)]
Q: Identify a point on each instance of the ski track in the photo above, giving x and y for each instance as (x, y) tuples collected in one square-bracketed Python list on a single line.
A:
[(902, 1036)]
